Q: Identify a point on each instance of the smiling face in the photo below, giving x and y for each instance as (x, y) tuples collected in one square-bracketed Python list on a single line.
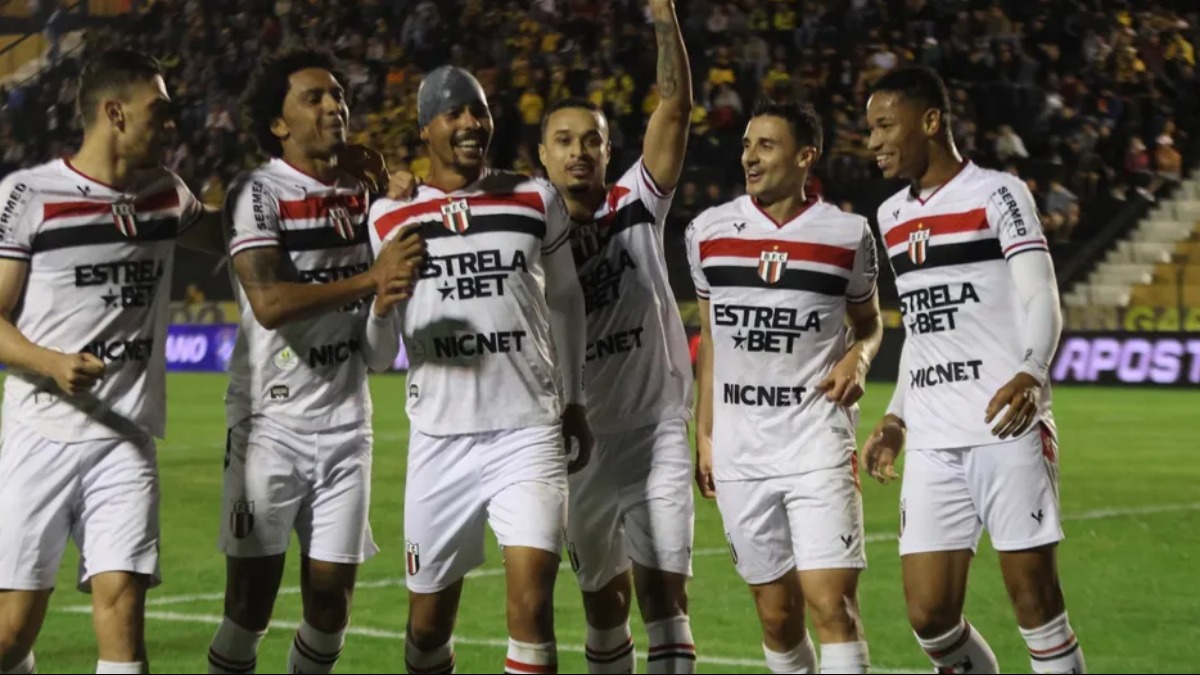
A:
[(459, 138), (315, 115), (575, 150), (901, 130), (774, 164)]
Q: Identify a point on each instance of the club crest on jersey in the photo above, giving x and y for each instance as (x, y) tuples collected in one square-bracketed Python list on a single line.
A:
[(586, 239), (456, 216), (125, 218), (339, 218), (771, 265), (918, 240)]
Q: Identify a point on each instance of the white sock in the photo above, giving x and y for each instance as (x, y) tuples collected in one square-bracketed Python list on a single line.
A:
[(845, 657), (1053, 647), (436, 662), (672, 649), (28, 666), (234, 649), (962, 650), (135, 667), (610, 651), (531, 659), (314, 651), (801, 659)]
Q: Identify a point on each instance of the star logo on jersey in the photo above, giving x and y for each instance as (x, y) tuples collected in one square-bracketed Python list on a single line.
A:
[(739, 341), (918, 241), (339, 218), (772, 264), (456, 215), (125, 218), (447, 291), (110, 300)]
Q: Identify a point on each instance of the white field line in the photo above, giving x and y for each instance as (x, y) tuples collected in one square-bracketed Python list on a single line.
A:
[(876, 537), (214, 620)]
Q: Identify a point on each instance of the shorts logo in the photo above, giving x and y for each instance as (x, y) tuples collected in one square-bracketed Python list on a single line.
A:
[(903, 517), (241, 519), (847, 539), (1038, 516), (414, 391), (125, 218), (573, 556), (917, 243), (732, 548), (456, 216), (339, 218), (412, 558), (772, 264)]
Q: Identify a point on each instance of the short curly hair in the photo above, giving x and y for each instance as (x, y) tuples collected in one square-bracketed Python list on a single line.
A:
[(264, 97)]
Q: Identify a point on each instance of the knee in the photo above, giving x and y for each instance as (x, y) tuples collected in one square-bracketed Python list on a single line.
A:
[(777, 618), (609, 606), (834, 614), (328, 610), (930, 620), (663, 596), (120, 597), (427, 636)]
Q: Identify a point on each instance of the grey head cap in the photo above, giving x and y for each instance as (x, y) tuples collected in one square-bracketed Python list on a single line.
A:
[(446, 89)]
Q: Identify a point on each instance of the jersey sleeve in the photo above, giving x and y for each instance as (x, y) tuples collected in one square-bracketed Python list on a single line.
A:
[(190, 207), (1011, 212), (655, 198), (558, 222), (864, 276), (691, 238), (18, 220), (252, 216)]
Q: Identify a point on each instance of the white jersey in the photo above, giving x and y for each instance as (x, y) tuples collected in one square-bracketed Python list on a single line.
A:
[(637, 371), (477, 328), (777, 307), (308, 373), (961, 311), (99, 281)]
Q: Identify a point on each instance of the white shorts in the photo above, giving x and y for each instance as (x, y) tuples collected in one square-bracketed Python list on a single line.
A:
[(513, 480), (1011, 489), (807, 521), (103, 494), (632, 501), (317, 483)]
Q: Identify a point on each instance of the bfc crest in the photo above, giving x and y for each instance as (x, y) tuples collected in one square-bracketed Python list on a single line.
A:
[(125, 218), (339, 218), (918, 242), (771, 265), (456, 216)]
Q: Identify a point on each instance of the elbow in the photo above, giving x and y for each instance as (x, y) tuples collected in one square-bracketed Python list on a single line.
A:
[(267, 319)]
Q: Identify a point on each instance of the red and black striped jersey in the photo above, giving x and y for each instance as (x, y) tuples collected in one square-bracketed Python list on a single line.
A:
[(308, 373), (949, 251), (777, 295), (99, 281)]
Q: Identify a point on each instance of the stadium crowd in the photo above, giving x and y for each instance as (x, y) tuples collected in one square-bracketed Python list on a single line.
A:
[(1093, 103)]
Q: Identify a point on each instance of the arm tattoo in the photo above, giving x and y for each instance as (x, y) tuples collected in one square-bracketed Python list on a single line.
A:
[(261, 266), (668, 62)]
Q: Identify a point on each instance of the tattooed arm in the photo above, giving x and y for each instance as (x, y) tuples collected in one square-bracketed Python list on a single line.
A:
[(667, 132)]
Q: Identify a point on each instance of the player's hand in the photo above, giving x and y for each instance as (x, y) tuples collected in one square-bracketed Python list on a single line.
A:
[(402, 186), (883, 447), (704, 467), (575, 427), (76, 373), (396, 270), (1021, 395), (365, 164), (845, 384)]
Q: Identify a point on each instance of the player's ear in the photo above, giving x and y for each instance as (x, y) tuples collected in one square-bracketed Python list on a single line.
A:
[(423, 134), (279, 128), (933, 121), (114, 112), (542, 153)]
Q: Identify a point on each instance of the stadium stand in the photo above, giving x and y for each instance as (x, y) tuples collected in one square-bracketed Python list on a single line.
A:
[(1094, 103)]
